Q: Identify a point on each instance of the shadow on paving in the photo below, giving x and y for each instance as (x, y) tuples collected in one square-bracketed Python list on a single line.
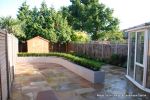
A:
[(31, 79)]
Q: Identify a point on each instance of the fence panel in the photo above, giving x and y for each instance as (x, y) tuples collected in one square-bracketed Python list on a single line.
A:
[(99, 50), (3, 64), (8, 55), (12, 55)]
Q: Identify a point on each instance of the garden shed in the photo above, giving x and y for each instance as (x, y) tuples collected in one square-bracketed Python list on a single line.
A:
[(138, 68), (38, 45)]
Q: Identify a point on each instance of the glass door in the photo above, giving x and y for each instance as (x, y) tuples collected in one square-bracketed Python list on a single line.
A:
[(139, 57), (131, 54), (138, 68)]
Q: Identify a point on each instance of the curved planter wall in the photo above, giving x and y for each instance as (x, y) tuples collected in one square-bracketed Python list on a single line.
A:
[(90, 75)]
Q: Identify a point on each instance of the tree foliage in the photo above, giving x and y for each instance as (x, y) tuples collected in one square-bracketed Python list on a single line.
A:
[(23, 12), (7, 23), (90, 16), (79, 36), (45, 22), (13, 26)]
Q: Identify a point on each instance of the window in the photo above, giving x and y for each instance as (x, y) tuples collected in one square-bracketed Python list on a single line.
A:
[(140, 47), (131, 54)]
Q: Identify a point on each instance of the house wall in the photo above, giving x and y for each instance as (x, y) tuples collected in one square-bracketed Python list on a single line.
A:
[(8, 51), (37, 45)]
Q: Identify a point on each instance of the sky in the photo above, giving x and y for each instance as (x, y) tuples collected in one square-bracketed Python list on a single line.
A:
[(129, 12)]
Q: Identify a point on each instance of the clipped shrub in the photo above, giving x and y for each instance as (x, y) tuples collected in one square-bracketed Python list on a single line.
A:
[(88, 63), (118, 60), (115, 59)]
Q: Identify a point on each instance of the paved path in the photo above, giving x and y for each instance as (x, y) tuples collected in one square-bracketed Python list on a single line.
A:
[(30, 79)]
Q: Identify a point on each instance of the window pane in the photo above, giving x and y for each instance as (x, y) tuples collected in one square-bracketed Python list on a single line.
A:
[(139, 74), (131, 54), (140, 47)]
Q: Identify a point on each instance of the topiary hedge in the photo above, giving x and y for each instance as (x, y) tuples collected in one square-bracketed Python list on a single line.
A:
[(115, 59), (88, 63)]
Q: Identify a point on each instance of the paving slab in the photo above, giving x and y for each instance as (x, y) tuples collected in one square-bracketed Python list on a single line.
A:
[(84, 90), (34, 78), (46, 95)]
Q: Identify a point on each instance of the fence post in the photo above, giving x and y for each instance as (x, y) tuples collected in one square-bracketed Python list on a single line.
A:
[(92, 45), (116, 48), (102, 50)]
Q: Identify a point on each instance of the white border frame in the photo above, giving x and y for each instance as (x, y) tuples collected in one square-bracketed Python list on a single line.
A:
[(137, 84), (144, 65), (145, 58)]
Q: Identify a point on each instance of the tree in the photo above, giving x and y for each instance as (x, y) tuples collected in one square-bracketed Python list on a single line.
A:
[(23, 12), (90, 16), (7, 23), (79, 36), (13, 26), (111, 36), (62, 29), (45, 22)]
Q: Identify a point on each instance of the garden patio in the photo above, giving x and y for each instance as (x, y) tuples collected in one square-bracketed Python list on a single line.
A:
[(77, 52), (32, 78)]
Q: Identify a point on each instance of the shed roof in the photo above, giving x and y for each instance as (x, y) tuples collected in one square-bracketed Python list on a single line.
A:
[(141, 26), (39, 38)]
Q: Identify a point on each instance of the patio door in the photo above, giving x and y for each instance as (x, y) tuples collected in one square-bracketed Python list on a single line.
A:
[(140, 54), (137, 56)]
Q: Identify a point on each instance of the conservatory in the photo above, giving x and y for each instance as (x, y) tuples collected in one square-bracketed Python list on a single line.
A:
[(138, 66)]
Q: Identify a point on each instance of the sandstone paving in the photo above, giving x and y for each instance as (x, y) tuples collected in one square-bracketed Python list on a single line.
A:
[(34, 78)]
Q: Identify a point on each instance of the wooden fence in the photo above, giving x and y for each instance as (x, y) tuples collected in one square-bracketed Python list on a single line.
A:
[(8, 54), (56, 47), (99, 50)]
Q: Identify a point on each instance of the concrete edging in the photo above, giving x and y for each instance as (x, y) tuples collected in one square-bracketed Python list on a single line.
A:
[(90, 75)]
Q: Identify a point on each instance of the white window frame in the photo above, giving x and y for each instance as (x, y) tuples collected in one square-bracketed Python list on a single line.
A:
[(144, 65), (144, 56)]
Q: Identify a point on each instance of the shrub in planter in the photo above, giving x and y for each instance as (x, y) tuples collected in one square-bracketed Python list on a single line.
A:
[(115, 59), (88, 63)]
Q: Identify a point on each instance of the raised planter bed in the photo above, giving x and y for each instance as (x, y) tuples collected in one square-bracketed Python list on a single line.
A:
[(90, 75)]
